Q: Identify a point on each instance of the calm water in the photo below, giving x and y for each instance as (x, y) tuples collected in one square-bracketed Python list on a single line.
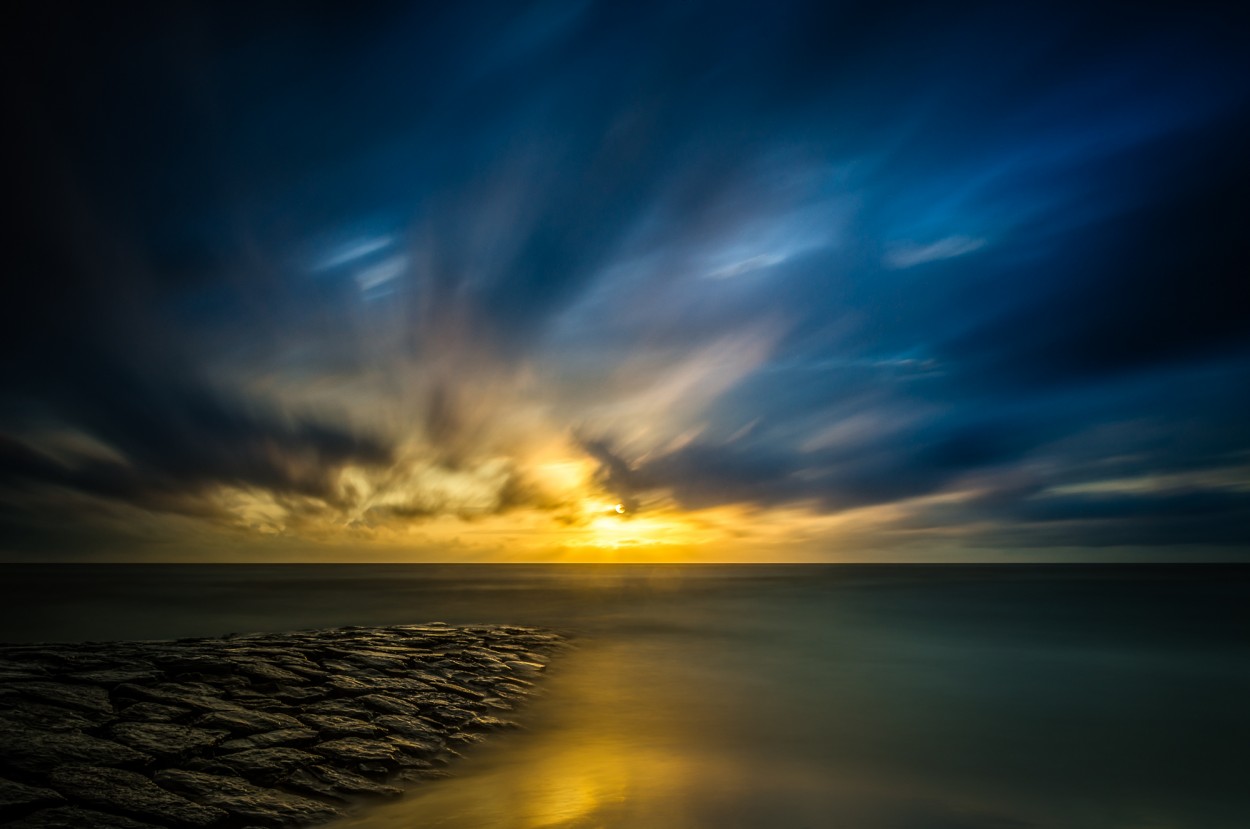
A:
[(778, 697)]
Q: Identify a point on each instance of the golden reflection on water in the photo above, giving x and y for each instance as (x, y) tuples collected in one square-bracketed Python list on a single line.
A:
[(600, 736), (626, 734), (790, 716)]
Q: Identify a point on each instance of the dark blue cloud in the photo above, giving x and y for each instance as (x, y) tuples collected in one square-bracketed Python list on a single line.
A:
[(988, 245)]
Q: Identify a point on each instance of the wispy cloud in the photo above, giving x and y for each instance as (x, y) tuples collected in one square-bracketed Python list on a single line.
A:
[(910, 254)]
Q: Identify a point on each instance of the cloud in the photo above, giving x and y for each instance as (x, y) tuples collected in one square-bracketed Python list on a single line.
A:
[(373, 274), (909, 254)]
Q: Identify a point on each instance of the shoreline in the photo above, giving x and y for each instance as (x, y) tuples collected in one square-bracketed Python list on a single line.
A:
[(268, 729)]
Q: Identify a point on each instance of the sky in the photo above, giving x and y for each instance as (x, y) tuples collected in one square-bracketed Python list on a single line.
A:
[(599, 281)]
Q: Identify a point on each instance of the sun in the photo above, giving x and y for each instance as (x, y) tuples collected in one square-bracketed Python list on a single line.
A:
[(620, 509)]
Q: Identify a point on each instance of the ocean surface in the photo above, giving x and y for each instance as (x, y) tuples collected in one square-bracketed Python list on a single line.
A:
[(777, 697)]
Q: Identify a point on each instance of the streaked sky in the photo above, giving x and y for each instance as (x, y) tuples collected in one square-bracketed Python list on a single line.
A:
[(578, 281)]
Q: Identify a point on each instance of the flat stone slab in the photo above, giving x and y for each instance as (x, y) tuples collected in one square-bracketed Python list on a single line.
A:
[(262, 730)]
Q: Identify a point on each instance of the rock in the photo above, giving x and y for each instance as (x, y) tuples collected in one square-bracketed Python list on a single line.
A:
[(255, 700), (86, 698), (339, 708), (48, 717), (335, 726), (21, 671), (175, 695), (131, 794), (247, 721), (346, 684), (35, 751), (71, 817), (78, 722), (408, 726), (388, 704), (306, 694), (18, 798), (450, 714), (306, 670), (264, 672), (110, 677), (464, 738), (415, 746), (486, 722), (181, 663), (510, 689), (153, 712), (244, 801), (327, 781), (356, 750), (267, 765), (270, 739), (165, 740), (522, 667), (403, 685)]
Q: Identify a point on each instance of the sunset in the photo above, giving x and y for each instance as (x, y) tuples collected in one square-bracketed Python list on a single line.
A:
[(792, 414)]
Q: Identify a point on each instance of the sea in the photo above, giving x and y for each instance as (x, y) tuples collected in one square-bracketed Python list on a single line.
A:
[(776, 697)]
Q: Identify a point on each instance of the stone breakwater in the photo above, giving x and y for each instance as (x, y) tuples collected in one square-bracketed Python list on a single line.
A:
[(247, 731)]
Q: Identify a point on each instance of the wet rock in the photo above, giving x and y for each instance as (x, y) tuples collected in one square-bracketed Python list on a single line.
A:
[(398, 685), (175, 695), (340, 708), (424, 748), (244, 801), (72, 817), (175, 662), (246, 720), (84, 698), (267, 765), (298, 696), (20, 671), (308, 671), (522, 667), (270, 739), (255, 700), (510, 689), (463, 738), (34, 751), (19, 798), (337, 784), (356, 750), (131, 794), (47, 717), (408, 726), (153, 712), (108, 677), (259, 728), (345, 684), (333, 727), (488, 722), (386, 704), (449, 714), (165, 740), (260, 671)]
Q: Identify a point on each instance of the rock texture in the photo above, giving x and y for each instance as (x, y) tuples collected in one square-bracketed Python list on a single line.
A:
[(265, 730)]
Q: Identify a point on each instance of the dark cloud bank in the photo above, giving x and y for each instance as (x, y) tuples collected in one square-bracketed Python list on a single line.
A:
[(997, 250)]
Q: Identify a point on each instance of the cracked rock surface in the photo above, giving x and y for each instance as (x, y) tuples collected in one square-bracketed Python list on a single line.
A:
[(263, 730)]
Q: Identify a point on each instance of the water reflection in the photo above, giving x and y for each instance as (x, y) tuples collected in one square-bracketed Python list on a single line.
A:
[(796, 705)]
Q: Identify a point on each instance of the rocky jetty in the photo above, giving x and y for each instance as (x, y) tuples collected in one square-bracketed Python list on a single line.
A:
[(260, 730)]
